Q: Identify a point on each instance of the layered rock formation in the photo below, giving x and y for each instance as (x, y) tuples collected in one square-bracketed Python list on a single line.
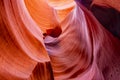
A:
[(50, 40)]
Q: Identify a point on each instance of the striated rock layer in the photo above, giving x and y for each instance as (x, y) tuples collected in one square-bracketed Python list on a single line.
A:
[(55, 40)]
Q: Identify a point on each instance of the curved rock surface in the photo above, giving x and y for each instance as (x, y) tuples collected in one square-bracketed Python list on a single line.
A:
[(46, 40)]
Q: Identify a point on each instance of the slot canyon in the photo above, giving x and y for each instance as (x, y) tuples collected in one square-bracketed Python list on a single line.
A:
[(59, 40)]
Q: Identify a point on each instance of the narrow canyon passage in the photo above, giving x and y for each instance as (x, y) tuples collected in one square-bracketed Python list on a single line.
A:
[(55, 40)]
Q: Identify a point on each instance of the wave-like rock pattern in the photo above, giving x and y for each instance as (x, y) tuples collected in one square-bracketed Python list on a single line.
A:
[(40, 41)]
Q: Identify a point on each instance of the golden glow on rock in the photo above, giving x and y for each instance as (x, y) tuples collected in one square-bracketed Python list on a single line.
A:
[(55, 40)]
